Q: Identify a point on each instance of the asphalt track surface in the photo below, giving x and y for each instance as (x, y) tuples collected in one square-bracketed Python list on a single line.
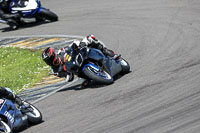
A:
[(159, 38)]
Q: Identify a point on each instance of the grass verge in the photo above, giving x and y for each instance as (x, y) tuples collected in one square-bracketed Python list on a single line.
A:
[(21, 68)]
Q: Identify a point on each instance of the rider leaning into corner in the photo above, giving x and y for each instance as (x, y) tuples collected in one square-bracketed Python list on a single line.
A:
[(7, 93), (57, 63), (6, 14)]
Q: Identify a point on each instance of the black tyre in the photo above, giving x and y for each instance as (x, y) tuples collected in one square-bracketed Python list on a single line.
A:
[(101, 77), (125, 66), (46, 14), (4, 128), (34, 115)]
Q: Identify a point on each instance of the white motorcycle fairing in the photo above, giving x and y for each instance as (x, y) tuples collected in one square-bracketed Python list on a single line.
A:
[(29, 5)]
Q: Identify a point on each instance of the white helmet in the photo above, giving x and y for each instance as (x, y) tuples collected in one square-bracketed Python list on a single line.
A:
[(76, 42), (90, 39)]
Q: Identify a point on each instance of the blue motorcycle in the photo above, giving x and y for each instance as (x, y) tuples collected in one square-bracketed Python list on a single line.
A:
[(92, 64), (29, 10), (14, 117)]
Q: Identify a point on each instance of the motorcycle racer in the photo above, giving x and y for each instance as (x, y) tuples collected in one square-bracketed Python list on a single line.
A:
[(57, 61), (6, 14)]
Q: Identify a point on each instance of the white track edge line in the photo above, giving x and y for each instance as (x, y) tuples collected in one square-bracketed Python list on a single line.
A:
[(42, 98)]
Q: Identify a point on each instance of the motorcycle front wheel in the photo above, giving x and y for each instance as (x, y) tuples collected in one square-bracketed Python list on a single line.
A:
[(4, 128), (46, 14), (101, 77), (34, 115)]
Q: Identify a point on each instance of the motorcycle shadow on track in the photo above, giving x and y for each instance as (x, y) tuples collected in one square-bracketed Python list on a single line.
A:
[(27, 127), (25, 25), (78, 87), (91, 85)]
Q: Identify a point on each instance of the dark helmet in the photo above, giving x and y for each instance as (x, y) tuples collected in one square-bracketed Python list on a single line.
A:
[(50, 57), (4, 3)]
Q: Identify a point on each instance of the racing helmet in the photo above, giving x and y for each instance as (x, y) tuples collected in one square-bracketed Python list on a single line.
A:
[(75, 43), (4, 4), (50, 57), (90, 39)]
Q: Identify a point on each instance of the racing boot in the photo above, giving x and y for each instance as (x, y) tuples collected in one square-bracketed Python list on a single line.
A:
[(111, 53), (85, 83), (108, 52)]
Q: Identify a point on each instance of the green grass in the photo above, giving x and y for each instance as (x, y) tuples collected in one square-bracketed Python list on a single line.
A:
[(21, 68)]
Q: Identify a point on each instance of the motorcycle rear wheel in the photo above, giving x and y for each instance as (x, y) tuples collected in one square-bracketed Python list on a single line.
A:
[(101, 77), (4, 128), (125, 66)]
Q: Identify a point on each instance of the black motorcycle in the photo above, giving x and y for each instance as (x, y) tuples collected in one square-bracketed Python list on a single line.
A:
[(92, 64)]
